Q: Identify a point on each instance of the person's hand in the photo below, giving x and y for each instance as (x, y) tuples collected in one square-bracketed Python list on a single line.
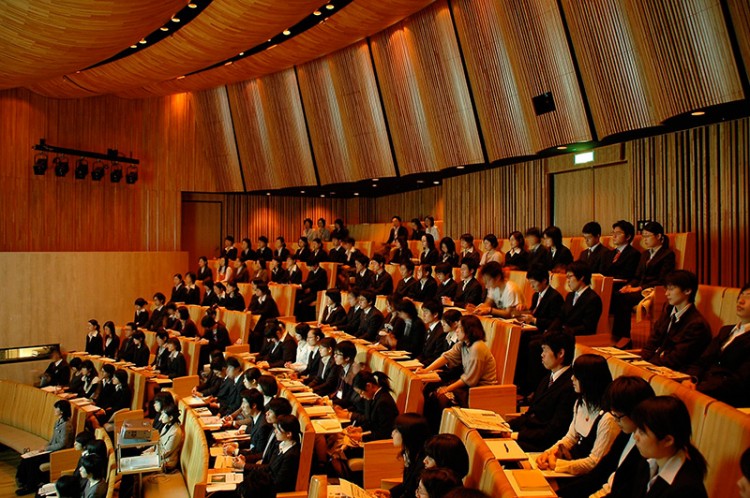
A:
[(442, 390), (542, 461), (482, 309), (238, 462), (527, 318), (230, 448), (446, 301), (421, 370), (381, 493), (262, 364), (552, 461), (470, 307)]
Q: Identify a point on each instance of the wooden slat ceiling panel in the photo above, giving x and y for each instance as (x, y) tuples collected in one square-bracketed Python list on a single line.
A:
[(512, 54), (344, 116), (271, 132), (222, 30), (739, 10), (356, 21), (49, 38), (425, 93)]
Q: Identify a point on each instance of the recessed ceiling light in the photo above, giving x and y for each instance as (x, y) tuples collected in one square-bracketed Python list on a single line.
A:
[(175, 19), (322, 195), (330, 6), (460, 167), (317, 13), (181, 77), (142, 41), (420, 181), (228, 63), (356, 193), (301, 191), (562, 147), (134, 46), (333, 193), (268, 193), (193, 5), (698, 113), (287, 32), (374, 184), (242, 53), (375, 179), (436, 182), (164, 28)]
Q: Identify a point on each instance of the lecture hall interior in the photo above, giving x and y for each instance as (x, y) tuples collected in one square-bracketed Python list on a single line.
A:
[(385, 248)]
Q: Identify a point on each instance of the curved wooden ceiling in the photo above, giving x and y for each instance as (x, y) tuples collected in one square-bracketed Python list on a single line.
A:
[(224, 29), (42, 39)]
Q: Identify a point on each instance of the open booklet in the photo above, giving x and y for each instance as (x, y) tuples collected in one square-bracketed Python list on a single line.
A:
[(33, 453)]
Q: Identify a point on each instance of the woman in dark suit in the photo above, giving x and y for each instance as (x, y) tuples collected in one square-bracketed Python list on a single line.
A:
[(204, 271), (518, 257), (410, 433), (94, 342), (402, 252), (380, 411), (448, 252), (429, 254), (558, 256), (283, 462), (176, 366), (111, 340)]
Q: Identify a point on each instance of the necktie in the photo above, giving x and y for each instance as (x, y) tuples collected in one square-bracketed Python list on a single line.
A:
[(672, 321), (575, 298), (551, 380), (617, 256)]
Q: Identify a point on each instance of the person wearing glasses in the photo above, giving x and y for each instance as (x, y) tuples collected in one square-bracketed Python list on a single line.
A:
[(621, 262)]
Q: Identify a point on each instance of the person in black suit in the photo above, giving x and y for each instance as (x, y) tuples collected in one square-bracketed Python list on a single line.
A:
[(140, 316), (469, 290), (380, 410), (247, 253), (363, 276), (217, 336), (323, 382), (676, 469), (397, 230), (317, 252), (448, 252), (264, 306), (122, 397), (176, 364), (277, 273), (723, 370), (173, 319), (621, 262), (434, 339), (538, 254), (264, 252), (413, 336), (293, 273), (280, 253), (140, 350), (228, 399), (657, 260), (209, 297), (468, 252), (317, 280), (681, 334), (551, 409), (426, 286), (354, 314), (546, 309), (58, 371), (252, 416), (405, 287), (337, 252), (192, 293), (229, 251), (583, 306), (274, 408), (188, 328), (303, 249), (344, 394), (161, 353), (204, 271), (558, 256), (613, 474), (371, 319), (126, 346), (339, 230), (382, 282), (518, 257), (94, 341), (159, 315), (111, 340), (280, 348), (241, 273), (283, 462), (429, 254), (106, 393), (417, 230), (402, 252), (178, 289), (334, 314), (446, 285), (593, 256), (234, 300)]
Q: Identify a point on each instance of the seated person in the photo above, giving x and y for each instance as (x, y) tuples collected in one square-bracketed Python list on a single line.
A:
[(362, 276), (94, 341), (448, 254), (413, 334), (188, 327), (241, 273), (334, 314), (265, 306), (405, 287), (140, 317), (234, 300), (227, 399), (681, 334), (192, 293), (446, 285), (468, 290), (105, 397), (593, 256), (111, 339), (293, 273), (204, 271), (402, 252), (621, 262), (344, 395), (263, 251), (161, 353), (503, 296), (225, 272), (592, 430), (121, 395), (209, 297), (518, 257), (538, 254), (280, 347), (215, 334), (68, 486), (371, 319), (468, 253), (325, 379), (558, 256), (410, 433), (302, 253), (212, 382), (434, 340), (140, 350), (307, 295), (437, 483), (305, 351), (447, 451), (583, 306), (317, 252), (176, 364), (723, 370), (354, 314), (90, 378), (253, 419), (393, 325), (382, 282), (426, 286), (491, 252), (93, 472), (178, 290), (278, 275), (126, 346), (172, 322), (159, 315), (429, 254), (58, 371), (76, 376), (551, 407)]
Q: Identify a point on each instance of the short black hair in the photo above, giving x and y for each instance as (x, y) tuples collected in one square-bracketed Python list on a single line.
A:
[(492, 239), (468, 238), (229, 238), (471, 264), (68, 486), (160, 297), (557, 341), (581, 271), (493, 269), (434, 307), (533, 232), (408, 264), (592, 228), (685, 280), (347, 349), (626, 227), (538, 273), (555, 234), (443, 269), (334, 295), (280, 406), (233, 362), (141, 302), (268, 385), (624, 394)]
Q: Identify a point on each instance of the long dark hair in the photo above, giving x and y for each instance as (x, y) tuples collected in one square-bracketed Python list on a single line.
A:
[(289, 423), (365, 377), (450, 452), (415, 431), (593, 377)]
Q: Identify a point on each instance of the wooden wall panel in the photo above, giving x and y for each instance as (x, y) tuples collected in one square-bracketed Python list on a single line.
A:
[(644, 62), (573, 200), (344, 116), (425, 93), (513, 52), (739, 12), (77, 287), (272, 133)]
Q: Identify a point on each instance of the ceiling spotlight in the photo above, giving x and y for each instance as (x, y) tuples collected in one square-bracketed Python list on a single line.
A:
[(420, 181), (460, 167), (40, 164), (287, 32), (317, 13), (562, 147), (374, 185), (143, 41), (301, 191), (116, 174), (164, 28), (61, 166), (175, 19), (134, 46), (375, 179), (268, 193), (356, 194), (181, 77), (132, 176), (97, 171), (82, 169), (698, 113), (242, 53), (436, 182), (330, 6), (228, 63), (322, 195), (193, 5)]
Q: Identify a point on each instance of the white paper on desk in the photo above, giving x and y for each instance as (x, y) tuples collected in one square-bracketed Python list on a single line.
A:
[(352, 490), (326, 426), (81, 401), (316, 411), (410, 364), (429, 377), (203, 412), (33, 453), (225, 478), (229, 435), (193, 401), (535, 492), (212, 420), (160, 380), (51, 389), (506, 450), (213, 488), (216, 451), (546, 473), (223, 462), (90, 408), (143, 461), (481, 419), (48, 490)]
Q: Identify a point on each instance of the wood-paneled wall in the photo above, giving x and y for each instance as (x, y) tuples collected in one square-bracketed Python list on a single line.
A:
[(50, 296)]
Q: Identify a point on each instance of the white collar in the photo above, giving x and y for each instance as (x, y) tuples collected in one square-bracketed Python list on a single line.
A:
[(592, 248), (433, 325), (671, 467), (581, 291), (556, 375), (284, 446), (678, 314), (541, 294), (57, 363), (408, 278)]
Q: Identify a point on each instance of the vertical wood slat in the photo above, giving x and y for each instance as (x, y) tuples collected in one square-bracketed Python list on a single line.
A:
[(739, 12), (425, 93), (344, 116)]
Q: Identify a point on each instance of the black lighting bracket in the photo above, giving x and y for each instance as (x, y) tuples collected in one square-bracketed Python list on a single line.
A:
[(111, 154)]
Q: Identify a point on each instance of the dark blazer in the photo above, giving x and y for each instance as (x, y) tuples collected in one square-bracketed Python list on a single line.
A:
[(412, 338), (683, 345), (210, 298), (427, 292), (140, 356), (178, 294), (211, 385), (126, 350), (652, 272), (320, 256), (337, 254), (410, 482), (548, 310), (259, 432), (57, 375), (450, 258), (363, 282), (241, 275), (562, 258), (447, 289), (518, 261), (267, 309), (158, 317), (110, 351), (313, 364), (416, 234), (294, 277), (278, 353), (370, 324), (473, 255), (382, 284), (404, 288), (218, 338), (539, 257), (283, 467), (278, 275), (189, 329), (470, 294), (625, 266), (247, 255), (431, 258), (228, 395), (401, 255), (352, 320), (351, 257), (379, 416), (176, 367), (725, 375), (122, 398), (583, 318), (230, 253), (106, 395), (302, 254), (326, 379), (141, 319), (235, 302), (192, 296), (688, 483), (161, 359), (434, 344), (94, 345), (395, 233), (594, 259), (204, 273), (280, 255), (316, 281), (335, 318), (549, 414), (265, 253)]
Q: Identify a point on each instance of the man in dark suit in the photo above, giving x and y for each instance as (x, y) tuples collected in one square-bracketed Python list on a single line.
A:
[(468, 252), (621, 262), (247, 253), (234, 300), (344, 394), (723, 370), (593, 256), (266, 307), (371, 320), (469, 290), (434, 341), (140, 350), (382, 282), (216, 334), (337, 254), (293, 273), (229, 250), (657, 260), (317, 252), (259, 429), (551, 408), (264, 252), (397, 230), (228, 398), (58, 371), (405, 287), (325, 380), (583, 306), (362, 278), (192, 293), (280, 348), (209, 297), (126, 346), (537, 252), (317, 280), (426, 286), (681, 334), (446, 285), (159, 315)]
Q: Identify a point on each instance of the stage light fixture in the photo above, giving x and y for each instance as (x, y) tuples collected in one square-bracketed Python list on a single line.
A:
[(116, 174), (40, 164), (97, 171), (62, 167), (132, 176), (82, 169)]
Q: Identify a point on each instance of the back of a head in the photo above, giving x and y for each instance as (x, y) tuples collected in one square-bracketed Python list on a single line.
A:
[(68, 486), (625, 393), (450, 452), (414, 430), (593, 377)]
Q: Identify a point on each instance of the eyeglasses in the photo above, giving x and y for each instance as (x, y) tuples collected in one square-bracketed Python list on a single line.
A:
[(338, 354), (617, 417)]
